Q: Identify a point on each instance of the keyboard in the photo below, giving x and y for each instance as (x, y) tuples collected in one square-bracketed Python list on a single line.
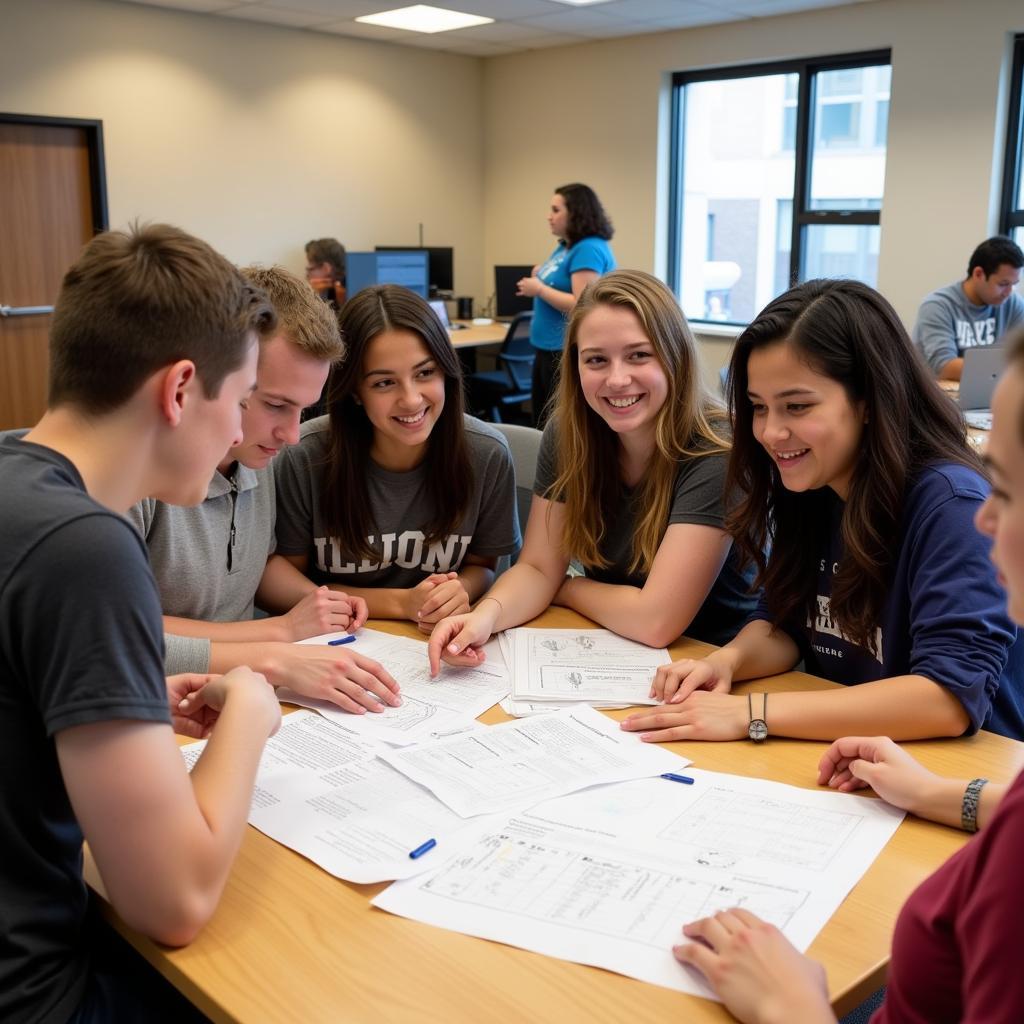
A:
[(979, 420)]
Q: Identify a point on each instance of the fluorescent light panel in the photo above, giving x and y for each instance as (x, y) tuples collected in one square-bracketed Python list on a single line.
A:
[(424, 18), (580, 3)]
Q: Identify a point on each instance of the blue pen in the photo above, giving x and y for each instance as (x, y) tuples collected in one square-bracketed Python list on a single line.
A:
[(350, 639), (420, 850), (672, 777)]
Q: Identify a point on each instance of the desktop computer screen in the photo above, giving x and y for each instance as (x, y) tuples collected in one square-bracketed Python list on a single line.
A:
[(439, 264), (506, 302), (407, 267)]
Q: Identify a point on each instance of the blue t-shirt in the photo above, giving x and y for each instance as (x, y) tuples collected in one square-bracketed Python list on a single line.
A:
[(548, 326), (945, 614)]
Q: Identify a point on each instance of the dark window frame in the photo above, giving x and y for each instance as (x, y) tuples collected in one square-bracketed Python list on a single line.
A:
[(803, 217), (1012, 215)]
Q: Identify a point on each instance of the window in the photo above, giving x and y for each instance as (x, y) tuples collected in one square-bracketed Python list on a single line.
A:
[(1012, 223), (777, 177)]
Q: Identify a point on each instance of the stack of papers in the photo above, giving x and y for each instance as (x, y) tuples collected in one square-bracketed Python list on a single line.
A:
[(550, 669)]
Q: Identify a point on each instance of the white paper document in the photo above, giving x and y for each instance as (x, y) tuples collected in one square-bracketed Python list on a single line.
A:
[(517, 764), (430, 708), (325, 794), (594, 666), (609, 876)]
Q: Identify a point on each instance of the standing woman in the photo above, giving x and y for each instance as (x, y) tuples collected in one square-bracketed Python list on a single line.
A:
[(397, 497), (856, 477), (630, 482), (577, 219)]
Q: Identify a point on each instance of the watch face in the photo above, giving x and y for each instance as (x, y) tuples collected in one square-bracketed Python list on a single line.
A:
[(758, 730)]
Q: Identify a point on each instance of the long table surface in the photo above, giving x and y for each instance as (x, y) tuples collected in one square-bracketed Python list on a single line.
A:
[(470, 335), (289, 942)]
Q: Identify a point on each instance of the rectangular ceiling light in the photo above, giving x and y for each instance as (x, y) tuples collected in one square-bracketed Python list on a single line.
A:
[(424, 18), (580, 3)]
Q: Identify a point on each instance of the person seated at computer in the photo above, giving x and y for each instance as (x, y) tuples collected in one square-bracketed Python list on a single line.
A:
[(955, 949), (856, 490), (325, 269), (577, 219), (630, 483), (974, 312), (397, 497)]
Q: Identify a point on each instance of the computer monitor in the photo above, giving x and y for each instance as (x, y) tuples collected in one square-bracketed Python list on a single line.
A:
[(407, 267), (506, 302), (439, 264)]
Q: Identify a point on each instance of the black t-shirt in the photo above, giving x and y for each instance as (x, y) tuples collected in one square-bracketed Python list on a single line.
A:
[(81, 641), (698, 499)]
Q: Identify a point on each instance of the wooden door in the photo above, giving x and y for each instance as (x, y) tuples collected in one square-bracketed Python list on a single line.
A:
[(51, 203)]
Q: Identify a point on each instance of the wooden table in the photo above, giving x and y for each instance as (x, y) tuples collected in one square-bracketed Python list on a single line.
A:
[(473, 335), (290, 942)]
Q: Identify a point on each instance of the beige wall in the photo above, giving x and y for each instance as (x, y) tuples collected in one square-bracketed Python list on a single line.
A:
[(259, 138), (591, 112)]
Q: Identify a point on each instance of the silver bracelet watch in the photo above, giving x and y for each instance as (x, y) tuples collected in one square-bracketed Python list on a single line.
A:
[(969, 808)]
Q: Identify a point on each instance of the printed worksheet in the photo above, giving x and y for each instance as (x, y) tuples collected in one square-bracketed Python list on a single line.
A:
[(430, 708), (608, 876), (591, 665), (517, 764), (325, 794)]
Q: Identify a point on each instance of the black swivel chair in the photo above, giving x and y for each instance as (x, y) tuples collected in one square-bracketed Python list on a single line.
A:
[(510, 384)]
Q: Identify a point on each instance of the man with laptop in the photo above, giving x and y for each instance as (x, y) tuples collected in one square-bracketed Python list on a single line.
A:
[(973, 313)]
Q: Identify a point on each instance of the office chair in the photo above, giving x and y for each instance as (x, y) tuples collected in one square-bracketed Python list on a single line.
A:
[(524, 443), (491, 390)]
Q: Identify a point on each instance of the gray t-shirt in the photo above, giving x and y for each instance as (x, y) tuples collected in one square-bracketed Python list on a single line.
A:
[(698, 499), (948, 323), (398, 503), (208, 560)]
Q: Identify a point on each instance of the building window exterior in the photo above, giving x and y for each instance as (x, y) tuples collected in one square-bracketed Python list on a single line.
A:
[(1012, 220), (787, 163)]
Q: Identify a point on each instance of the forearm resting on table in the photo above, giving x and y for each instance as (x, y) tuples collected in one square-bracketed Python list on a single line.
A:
[(382, 602), (476, 579), (943, 801), (522, 593), (244, 632), (632, 612), (902, 707), (757, 651)]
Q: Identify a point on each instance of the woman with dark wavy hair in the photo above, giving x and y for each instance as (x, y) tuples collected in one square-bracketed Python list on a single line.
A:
[(577, 219), (397, 497), (857, 494)]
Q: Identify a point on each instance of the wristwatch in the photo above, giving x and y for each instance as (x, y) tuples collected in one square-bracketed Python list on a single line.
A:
[(969, 808), (758, 728)]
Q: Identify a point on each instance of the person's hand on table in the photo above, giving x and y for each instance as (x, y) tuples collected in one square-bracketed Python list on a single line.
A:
[(755, 970), (324, 611), (352, 681), (673, 683), (855, 762), (197, 699), (438, 596), (458, 639), (703, 715)]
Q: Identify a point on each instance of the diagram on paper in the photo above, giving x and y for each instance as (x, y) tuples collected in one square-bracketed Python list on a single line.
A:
[(599, 893), (724, 828)]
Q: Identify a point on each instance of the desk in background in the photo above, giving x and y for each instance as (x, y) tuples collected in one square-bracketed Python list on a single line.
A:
[(290, 942)]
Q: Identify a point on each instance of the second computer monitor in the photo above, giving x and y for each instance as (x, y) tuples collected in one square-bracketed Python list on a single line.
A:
[(439, 259), (506, 281)]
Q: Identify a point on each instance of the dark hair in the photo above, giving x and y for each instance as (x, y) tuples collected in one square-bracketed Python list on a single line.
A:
[(449, 471), (327, 250), (848, 332), (138, 300), (993, 253), (586, 214)]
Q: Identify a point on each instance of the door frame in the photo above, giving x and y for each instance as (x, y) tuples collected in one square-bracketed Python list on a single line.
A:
[(97, 166)]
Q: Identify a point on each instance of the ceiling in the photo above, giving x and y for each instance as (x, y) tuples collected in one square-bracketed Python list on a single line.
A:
[(519, 24)]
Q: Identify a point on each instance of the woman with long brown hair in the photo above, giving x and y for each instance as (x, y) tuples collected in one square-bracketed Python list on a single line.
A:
[(630, 483), (857, 493), (397, 496)]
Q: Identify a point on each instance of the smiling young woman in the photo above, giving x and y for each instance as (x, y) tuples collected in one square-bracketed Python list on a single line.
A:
[(630, 482), (858, 493)]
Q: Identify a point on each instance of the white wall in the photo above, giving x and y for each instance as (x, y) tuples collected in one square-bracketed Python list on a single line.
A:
[(590, 112), (258, 138)]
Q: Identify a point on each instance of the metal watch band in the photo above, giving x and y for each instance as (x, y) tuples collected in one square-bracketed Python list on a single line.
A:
[(757, 730), (969, 808)]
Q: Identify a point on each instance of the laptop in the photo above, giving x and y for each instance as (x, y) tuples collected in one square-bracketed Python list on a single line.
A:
[(439, 307), (981, 370)]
